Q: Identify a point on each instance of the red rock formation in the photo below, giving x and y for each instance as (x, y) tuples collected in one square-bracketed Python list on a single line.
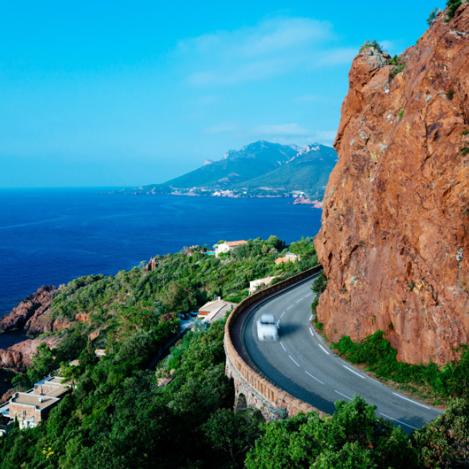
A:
[(19, 356), (394, 241), (34, 314), (29, 311)]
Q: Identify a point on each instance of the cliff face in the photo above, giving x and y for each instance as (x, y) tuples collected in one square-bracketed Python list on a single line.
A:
[(19, 356), (394, 241), (33, 314)]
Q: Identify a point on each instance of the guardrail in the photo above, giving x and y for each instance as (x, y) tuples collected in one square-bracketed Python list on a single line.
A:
[(240, 367)]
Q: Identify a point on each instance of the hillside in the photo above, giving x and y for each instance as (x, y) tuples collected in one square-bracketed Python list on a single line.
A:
[(258, 169), (394, 241), (307, 171)]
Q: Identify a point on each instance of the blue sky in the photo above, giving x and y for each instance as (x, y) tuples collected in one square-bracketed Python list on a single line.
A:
[(99, 93)]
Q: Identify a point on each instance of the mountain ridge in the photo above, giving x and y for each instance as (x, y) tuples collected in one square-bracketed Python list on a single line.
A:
[(258, 169)]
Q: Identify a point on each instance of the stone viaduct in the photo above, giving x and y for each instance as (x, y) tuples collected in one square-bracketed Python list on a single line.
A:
[(252, 389)]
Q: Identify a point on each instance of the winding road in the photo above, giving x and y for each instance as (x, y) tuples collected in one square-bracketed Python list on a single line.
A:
[(302, 364)]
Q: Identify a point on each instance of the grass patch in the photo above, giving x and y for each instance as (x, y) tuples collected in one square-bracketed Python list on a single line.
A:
[(379, 357), (398, 65), (464, 151)]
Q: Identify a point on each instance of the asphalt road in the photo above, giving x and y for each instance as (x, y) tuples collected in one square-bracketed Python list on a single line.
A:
[(302, 364)]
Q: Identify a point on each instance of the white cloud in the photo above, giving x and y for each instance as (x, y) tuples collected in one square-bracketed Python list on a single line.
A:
[(293, 132), (271, 48), (326, 137), (291, 129)]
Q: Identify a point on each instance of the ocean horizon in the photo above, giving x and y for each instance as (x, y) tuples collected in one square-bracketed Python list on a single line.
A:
[(50, 236)]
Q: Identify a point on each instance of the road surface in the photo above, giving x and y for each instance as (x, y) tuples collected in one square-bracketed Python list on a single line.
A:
[(302, 364)]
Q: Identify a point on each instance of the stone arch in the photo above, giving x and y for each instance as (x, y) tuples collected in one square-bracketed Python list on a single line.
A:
[(241, 402)]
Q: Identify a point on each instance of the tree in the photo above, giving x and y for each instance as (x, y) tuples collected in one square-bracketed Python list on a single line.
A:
[(232, 434), (444, 442)]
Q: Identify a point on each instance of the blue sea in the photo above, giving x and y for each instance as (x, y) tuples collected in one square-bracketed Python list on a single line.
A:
[(50, 236)]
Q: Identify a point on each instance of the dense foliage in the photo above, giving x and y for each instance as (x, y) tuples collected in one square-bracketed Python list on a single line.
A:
[(380, 357), (451, 7), (355, 438), (122, 413)]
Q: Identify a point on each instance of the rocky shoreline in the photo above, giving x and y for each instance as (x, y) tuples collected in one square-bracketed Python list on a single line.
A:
[(31, 317)]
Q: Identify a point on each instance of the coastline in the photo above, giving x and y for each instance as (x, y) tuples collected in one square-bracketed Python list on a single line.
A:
[(49, 237)]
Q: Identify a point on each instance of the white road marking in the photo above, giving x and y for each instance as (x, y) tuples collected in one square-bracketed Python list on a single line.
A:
[(353, 371), (283, 346), (413, 402), (294, 361), (311, 331), (290, 307), (281, 316), (343, 395), (311, 318), (298, 301), (314, 377), (399, 421), (324, 349)]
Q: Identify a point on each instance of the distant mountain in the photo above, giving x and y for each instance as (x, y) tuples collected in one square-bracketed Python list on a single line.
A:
[(258, 169), (307, 171)]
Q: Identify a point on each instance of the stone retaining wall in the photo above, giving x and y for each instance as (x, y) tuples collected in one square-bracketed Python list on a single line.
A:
[(251, 387)]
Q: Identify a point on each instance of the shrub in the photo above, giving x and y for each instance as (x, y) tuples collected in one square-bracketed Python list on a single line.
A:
[(370, 45), (432, 16), (398, 66), (376, 352), (451, 7)]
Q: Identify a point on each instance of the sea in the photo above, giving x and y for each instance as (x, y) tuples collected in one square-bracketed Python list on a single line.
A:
[(50, 236)]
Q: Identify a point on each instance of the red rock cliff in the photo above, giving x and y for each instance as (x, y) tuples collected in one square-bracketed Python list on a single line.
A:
[(394, 241), (32, 314)]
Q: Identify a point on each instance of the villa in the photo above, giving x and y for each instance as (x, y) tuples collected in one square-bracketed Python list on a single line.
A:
[(32, 407), (214, 310), (227, 246), (288, 257)]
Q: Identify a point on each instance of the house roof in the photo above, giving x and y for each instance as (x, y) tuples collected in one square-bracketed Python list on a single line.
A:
[(50, 389), (215, 309), (233, 244), (33, 400)]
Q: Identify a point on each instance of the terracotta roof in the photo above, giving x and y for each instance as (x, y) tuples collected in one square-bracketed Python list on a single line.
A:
[(233, 244)]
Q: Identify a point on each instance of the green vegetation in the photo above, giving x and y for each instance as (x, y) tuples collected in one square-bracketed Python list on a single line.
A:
[(379, 356), (371, 45), (400, 114), (122, 413), (118, 417), (432, 16), (451, 7), (464, 151), (398, 65), (355, 438)]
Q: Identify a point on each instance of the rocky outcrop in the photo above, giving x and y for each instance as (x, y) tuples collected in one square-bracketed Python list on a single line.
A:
[(394, 241), (29, 313), (34, 315), (19, 356)]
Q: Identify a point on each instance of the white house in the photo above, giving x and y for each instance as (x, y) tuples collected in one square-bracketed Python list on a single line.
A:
[(227, 246), (255, 285)]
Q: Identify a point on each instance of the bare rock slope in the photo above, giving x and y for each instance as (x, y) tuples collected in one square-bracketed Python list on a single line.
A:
[(394, 241)]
